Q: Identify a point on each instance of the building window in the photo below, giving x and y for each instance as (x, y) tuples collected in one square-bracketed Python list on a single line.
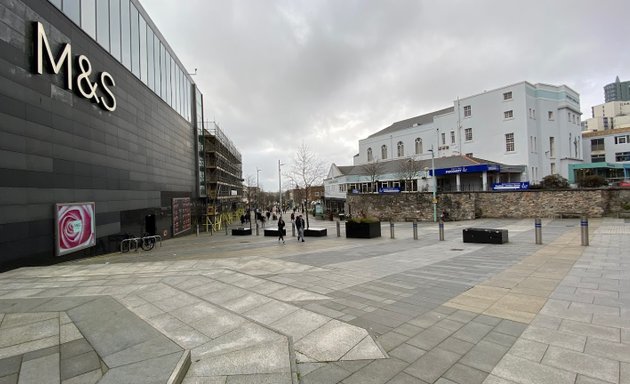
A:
[(550, 115), (508, 114), (443, 135), (384, 152), (509, 142), (622, 139), (469, 154), (467, 111), (401, 149), (452, 137), (601, 158), (418, 146), (507, 96), (622, 156), (552, 146), (468, 134), (597, 145), (553, 168), (370, 157)]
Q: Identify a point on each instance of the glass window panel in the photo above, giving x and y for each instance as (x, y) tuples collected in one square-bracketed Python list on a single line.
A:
[(72, 9), (135, 41), (56, 3), (143, 50), (88, 17), (114, 28), (163, 71), (150, 60), (172, 85), (176, 88), (169, 80), (156, 64), (102, 23), (182, 87), (126, 33)]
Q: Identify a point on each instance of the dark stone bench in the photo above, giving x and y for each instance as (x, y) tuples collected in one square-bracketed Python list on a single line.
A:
[(274, 232), (241, 231), (315, 232), (564, 215), (485, 235)]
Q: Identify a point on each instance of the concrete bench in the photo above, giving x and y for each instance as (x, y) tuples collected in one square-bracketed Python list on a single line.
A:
[(241, 231), (315, 232), (564, 215), (275, 232), (485, 235)]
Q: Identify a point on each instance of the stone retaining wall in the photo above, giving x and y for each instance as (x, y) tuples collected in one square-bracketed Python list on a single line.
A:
[(512, 204)]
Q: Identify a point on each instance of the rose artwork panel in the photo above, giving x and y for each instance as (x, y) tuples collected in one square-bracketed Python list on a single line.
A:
[(75, 227)]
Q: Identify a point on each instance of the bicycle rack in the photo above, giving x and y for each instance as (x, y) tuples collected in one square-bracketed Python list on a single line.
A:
[(136, 241)]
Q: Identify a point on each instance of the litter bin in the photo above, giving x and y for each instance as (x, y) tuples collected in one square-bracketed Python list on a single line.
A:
[(342, 217)]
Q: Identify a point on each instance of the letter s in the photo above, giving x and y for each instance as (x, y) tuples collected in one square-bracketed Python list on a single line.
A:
[(106, 76)]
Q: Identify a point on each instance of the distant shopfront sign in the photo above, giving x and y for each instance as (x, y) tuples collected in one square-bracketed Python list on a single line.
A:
[(466, 169), (389, 190), (510, 186), (98, 91)]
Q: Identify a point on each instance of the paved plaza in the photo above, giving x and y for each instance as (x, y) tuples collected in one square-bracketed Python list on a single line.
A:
[(247, 309)]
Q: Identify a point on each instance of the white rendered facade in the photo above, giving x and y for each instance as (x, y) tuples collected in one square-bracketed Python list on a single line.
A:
[(535, 125), (611, 115)]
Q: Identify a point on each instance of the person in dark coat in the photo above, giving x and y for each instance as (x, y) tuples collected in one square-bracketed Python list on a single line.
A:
[(281, 230), (299, 224)]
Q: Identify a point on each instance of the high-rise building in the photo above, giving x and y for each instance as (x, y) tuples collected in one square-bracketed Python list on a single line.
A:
[(617, 91)]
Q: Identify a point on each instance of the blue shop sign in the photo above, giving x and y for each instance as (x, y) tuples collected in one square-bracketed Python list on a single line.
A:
[(389, 190), (510, 186), (466, 169)]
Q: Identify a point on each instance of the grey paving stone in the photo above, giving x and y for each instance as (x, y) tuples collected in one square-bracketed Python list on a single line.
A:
[(331, 341), (591, 330), (462, 316), (527, 372), (9, 379), (500, 338), (330, 373), (300, 323), (143, 372), (408, 330), (528, 349), (429, 338), (403, 378), (462, 374), (10, 365), (456, 345), (391, 340), (29, 332), (160, 346), (557, 338), (42, 370), (379, 371), (608, 349), (78, 365), (473, 332), (484, 356), (488, 320), (74, 348), (588, 365), (406, 352), (243, 337), (433, 364), (265, 378), (39, 353)]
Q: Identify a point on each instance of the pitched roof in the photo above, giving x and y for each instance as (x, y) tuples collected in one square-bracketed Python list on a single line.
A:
[(414, 121)]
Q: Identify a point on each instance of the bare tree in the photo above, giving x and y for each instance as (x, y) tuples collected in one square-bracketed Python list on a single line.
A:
[(306, 171), (373, 170), (409, 171)]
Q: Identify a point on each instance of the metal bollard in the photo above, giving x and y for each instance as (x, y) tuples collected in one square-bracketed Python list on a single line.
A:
[(441, 227), (415, 230), (391, 229), (292, 229), (226, 228), (197, 230), (256, 228), (338, 224), (584, 226), (538, 230)]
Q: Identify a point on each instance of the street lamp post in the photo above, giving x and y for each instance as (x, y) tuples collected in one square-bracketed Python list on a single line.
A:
[(280, 184), (434, 184), (257, 186)]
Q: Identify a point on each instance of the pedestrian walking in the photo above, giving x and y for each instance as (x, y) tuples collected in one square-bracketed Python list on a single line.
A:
[(281, 230), (299, 224)]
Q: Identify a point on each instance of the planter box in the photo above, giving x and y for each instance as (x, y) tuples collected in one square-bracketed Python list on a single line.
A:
[(485, 235), (275, 232), (241, 231), (315, 232), (363, 230)]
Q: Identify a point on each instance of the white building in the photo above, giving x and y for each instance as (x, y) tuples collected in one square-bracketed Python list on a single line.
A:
[(611, 115), (533, 125)]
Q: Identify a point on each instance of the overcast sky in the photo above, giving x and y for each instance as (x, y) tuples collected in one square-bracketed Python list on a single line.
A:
[(275, 74)]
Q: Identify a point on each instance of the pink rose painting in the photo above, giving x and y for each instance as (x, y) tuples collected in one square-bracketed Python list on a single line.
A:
[(75, 227)]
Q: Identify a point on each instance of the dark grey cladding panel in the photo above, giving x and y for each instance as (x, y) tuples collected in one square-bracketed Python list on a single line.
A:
[(64, 148)]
